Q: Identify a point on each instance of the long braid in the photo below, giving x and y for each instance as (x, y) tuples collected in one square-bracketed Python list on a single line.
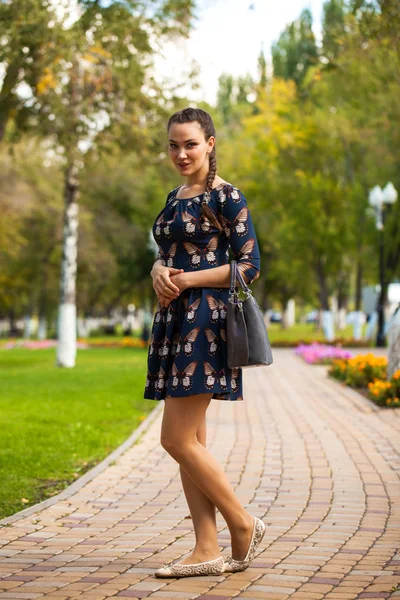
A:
[(205, 209), (212, 170)]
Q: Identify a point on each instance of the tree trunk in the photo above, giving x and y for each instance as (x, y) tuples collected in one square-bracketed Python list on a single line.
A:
[(7, 99), (359, 276), (66, 350), (323, 286), (394, 344), (42, 330), (327, 316)]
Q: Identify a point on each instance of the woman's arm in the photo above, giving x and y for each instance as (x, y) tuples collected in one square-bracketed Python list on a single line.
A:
[(215, 277), (243, 243)]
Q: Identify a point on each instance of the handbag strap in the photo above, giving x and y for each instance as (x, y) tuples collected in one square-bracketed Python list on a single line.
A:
[(233, 272), (236, 275)]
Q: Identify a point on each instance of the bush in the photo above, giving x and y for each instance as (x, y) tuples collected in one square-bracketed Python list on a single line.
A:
[(386, 392), (368, 373), (360, 370)]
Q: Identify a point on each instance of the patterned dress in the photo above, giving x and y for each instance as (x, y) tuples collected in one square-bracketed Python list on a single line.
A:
[(187, 351)]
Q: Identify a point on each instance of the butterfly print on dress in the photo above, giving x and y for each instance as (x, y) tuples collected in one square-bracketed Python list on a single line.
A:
[(247, 248), (212, 340), (234, 379), (171, 313), (169, 256), (163, 227), (175, 345), (163, 347), (197, 254), (151, 379), (162, 376), (217, 308), (152, 345), (205, 224), (158, 315), (189, 340), (226, 225), (212, 376), (185, 377), (244, 267), (240, 222), (189, 223), (191, 310)]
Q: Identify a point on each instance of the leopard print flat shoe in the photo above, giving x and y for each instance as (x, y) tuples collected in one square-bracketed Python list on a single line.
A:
[(211, 567), (232, 565)]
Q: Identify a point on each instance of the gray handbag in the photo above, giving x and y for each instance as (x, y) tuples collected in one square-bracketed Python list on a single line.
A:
[(247, 338)]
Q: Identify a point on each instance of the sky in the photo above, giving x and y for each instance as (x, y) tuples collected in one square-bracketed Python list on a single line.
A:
[(228, 38)]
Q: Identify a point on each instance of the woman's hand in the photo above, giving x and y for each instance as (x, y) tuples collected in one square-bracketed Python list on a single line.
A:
[(180, 280), (165, 289)]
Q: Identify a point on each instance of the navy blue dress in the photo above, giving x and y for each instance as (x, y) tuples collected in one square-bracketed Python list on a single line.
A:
[(187, 351)]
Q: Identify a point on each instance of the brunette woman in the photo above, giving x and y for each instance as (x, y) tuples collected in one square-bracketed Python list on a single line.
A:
[(202, 220)]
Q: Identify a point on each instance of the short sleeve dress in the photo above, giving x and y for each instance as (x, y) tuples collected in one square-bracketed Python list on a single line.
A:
[(187, 351)]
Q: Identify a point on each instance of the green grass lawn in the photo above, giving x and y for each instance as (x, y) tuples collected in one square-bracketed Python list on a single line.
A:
[(303, 331), (57, 423)]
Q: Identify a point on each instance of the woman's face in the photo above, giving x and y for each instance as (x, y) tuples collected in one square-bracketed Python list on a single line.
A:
[(188, 147)]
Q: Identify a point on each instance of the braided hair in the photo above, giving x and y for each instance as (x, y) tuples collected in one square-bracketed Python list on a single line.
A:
[(189, 115)]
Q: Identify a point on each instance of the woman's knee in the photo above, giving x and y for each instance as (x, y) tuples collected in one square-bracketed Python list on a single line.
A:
[(173, 445)]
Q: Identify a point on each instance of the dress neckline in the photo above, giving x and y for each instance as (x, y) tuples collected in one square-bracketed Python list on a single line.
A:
[(197, 195)]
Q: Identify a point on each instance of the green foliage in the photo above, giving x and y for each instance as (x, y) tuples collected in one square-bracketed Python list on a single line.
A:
[(305, 146), (296, 49)]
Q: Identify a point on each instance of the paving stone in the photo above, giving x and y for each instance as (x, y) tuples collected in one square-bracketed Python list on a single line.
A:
[(317, 461)]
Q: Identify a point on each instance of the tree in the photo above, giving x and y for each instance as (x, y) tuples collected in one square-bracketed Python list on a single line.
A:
[(96, 89), (333, 28), (296, 49)]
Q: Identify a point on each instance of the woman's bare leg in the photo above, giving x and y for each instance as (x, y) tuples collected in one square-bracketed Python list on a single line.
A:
[(203, 513), (181, 420)]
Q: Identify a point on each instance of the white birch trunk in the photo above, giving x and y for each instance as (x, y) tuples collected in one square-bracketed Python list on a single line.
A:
[(66, 349), (327, 325), (341, 319), (357, 325), (42, 330), (290, 312), (394, 345)]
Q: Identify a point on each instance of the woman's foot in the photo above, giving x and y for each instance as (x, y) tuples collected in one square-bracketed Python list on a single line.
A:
[(196, 557), (211, 567), (240, 539), (231, 565)]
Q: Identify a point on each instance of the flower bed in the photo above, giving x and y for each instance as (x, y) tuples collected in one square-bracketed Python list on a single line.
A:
[(126, 342), (36, 344), (321, 354), (82, 344), (368, 374)]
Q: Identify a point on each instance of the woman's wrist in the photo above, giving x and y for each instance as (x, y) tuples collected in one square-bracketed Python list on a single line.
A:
[(159, 263)]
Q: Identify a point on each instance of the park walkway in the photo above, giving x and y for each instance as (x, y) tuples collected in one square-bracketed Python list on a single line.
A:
[(319, 463)]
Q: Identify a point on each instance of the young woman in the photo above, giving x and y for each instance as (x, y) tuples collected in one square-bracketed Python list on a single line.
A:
[(187, 360)]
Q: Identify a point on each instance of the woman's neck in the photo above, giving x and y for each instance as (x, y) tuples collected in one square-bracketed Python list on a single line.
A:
[(198, 179)]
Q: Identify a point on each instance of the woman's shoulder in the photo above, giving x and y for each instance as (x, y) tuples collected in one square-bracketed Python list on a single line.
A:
[(173, 192), (227, 190)]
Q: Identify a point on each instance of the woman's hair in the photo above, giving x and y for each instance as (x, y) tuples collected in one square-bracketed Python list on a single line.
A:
[(189, 115)]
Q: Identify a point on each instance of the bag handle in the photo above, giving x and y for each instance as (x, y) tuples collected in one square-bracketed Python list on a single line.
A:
[(236, 275)]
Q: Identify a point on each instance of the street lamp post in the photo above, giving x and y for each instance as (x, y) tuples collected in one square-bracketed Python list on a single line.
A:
[(378, 198)]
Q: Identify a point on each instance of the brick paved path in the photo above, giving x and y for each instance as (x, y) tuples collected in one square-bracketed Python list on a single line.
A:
[(319, 463)]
